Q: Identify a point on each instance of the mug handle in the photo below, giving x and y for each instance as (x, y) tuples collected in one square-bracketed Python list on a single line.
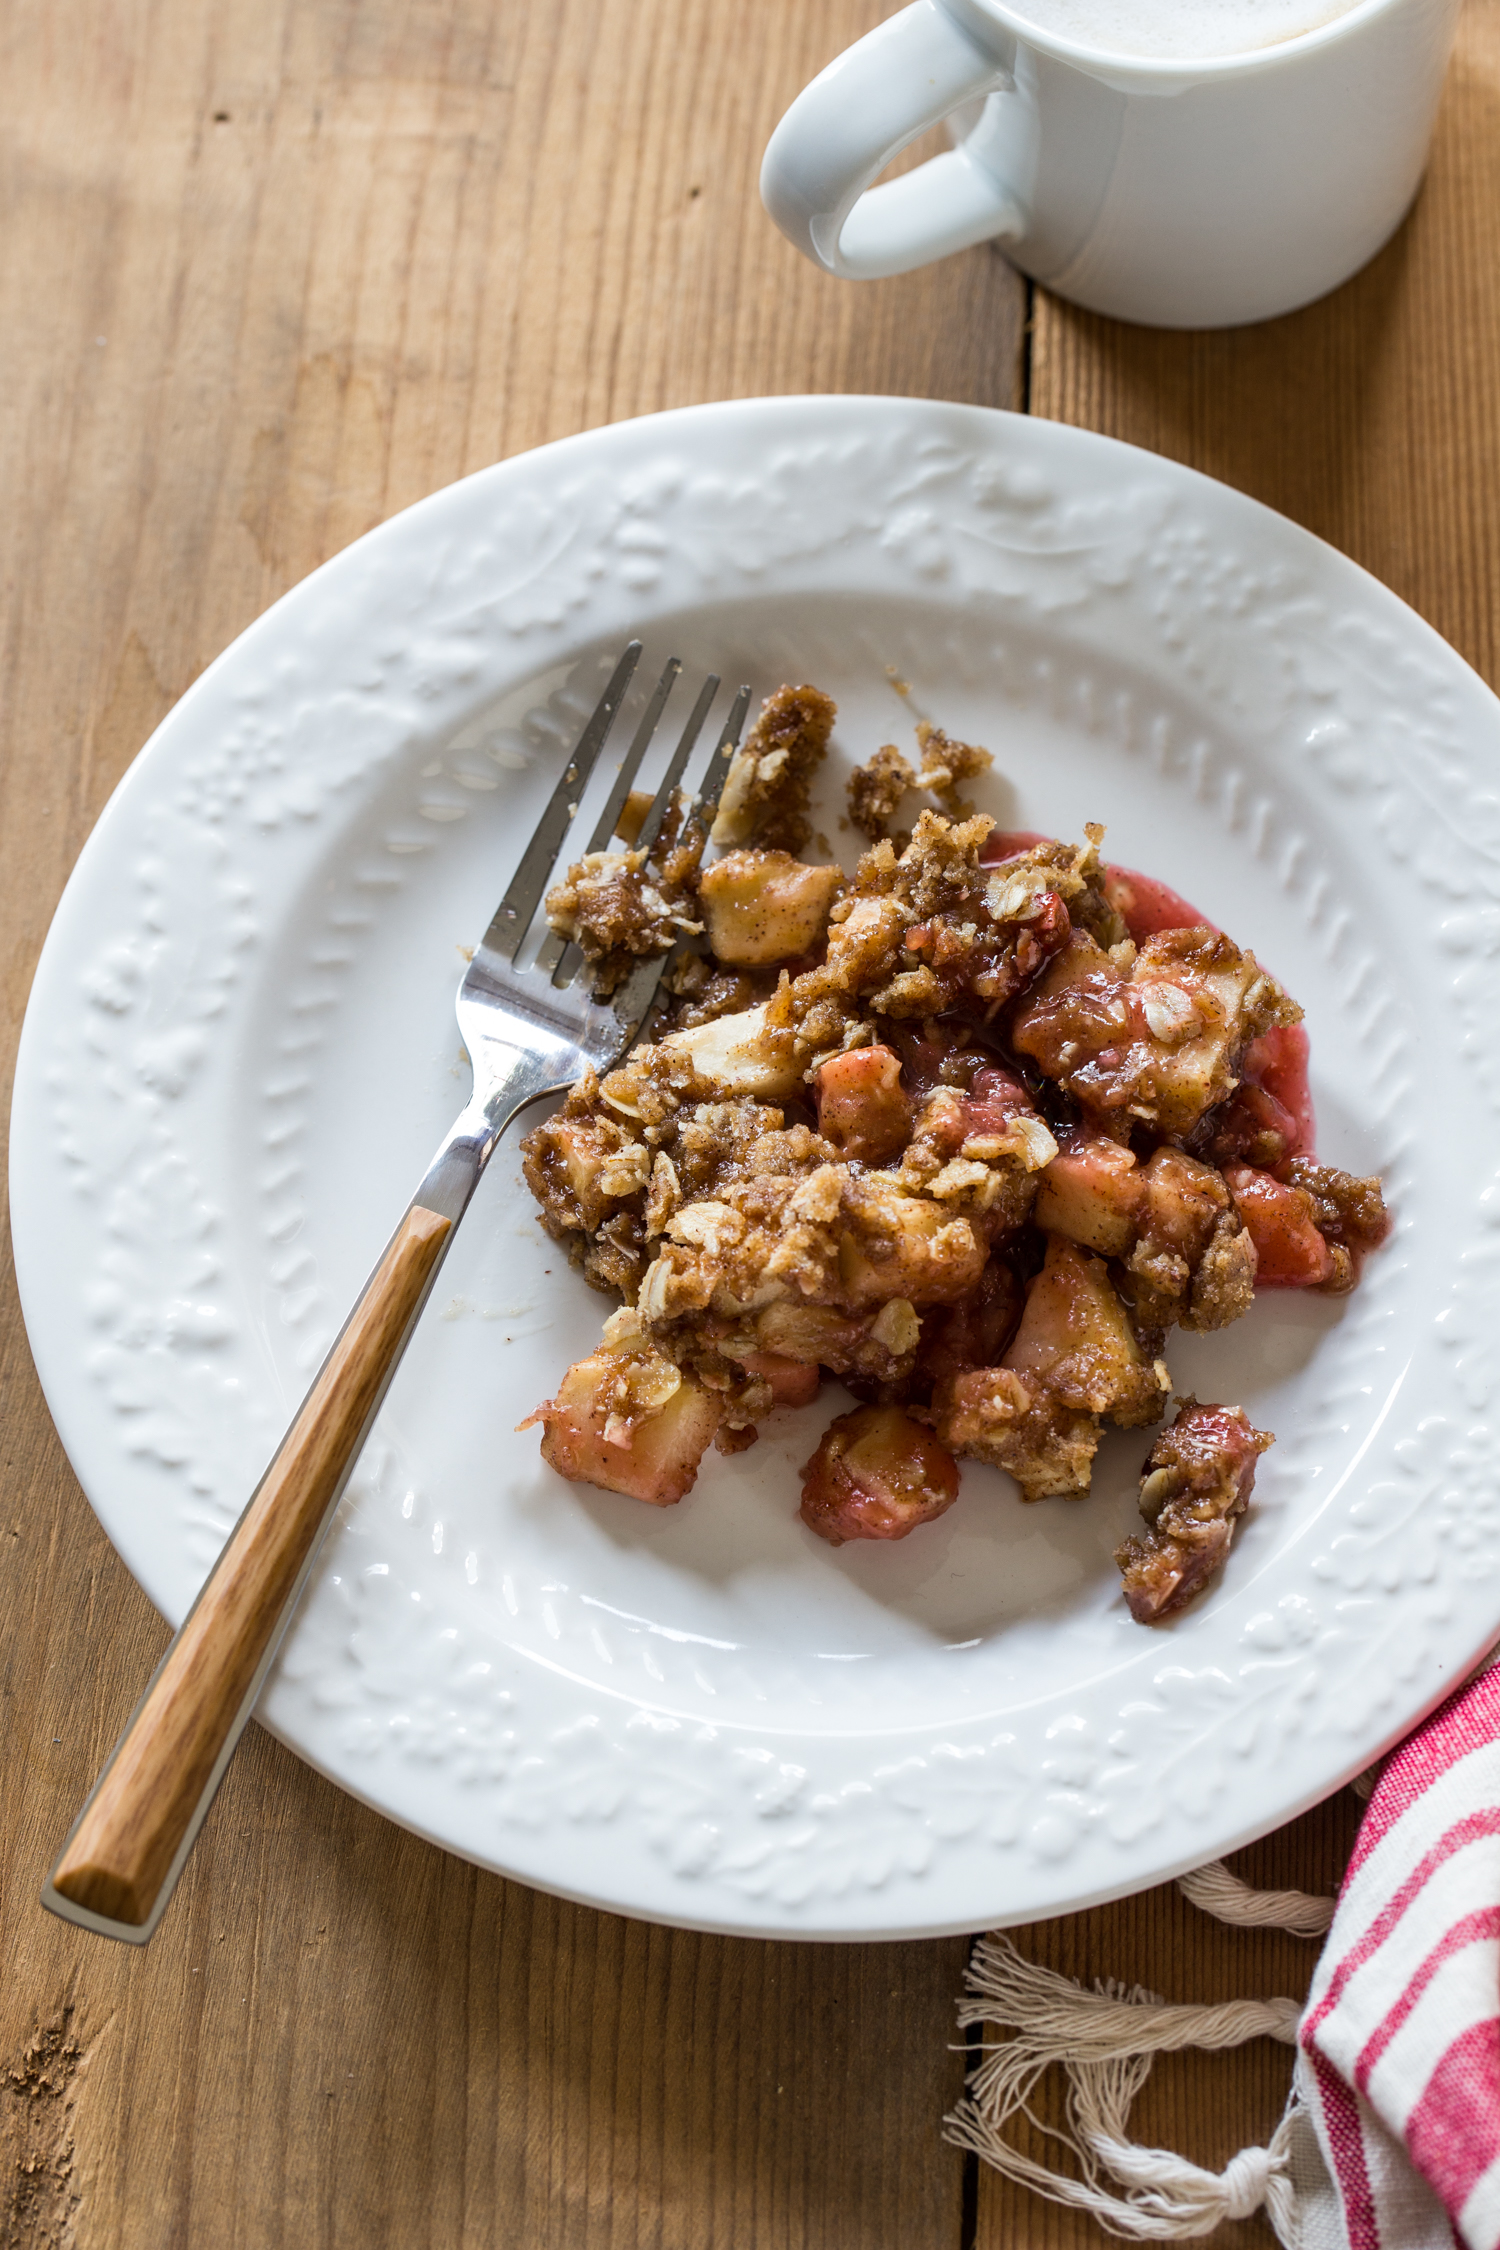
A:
[(843, 129)]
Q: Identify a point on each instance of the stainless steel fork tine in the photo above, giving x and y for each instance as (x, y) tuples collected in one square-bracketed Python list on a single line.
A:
[(572, 959), (639, 989), (721, 759), (513, 915), (567, 959), (599, 841), (554, 944), (651, 825)]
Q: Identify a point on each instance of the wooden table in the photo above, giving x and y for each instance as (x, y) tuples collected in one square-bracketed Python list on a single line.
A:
[(268, 272)]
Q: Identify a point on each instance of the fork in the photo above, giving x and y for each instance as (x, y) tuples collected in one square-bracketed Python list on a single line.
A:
[(529, 1032)]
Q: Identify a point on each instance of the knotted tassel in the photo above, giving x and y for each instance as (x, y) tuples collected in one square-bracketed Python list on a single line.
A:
[(1105, 2041)]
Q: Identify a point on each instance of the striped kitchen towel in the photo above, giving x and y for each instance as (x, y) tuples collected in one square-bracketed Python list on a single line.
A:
[(1391, 2138), (1399, 2065)]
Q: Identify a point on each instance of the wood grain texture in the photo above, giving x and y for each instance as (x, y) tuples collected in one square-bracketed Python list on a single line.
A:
[(1204, 2106), (1373, 419), (119, 1856), (269, 272)]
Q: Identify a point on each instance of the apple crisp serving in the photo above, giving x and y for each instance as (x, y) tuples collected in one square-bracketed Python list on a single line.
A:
[(972, 1131)]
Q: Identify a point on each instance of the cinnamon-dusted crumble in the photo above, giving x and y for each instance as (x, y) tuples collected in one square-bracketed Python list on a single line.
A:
[(620, 907), (945, 1130), (767, 789), (876, 789), (1196, 1483)]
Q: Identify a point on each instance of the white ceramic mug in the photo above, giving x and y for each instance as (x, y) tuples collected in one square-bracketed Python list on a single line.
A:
[(1187, 194)]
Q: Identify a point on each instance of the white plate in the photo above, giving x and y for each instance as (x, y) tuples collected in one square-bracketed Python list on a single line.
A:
[(240, 1052)]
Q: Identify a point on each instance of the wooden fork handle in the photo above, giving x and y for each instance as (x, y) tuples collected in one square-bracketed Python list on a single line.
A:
[(133, 1833)]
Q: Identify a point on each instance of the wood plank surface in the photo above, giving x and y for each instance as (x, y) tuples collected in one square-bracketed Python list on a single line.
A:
[(268, 273), (1374, 419), (1206, 2107)]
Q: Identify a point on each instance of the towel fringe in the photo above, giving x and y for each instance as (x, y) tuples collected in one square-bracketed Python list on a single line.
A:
[(1305, 1914), (1105, 2041)]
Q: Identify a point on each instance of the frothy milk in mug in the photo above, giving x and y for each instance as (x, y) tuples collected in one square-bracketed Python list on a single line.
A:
[(1185, 28)]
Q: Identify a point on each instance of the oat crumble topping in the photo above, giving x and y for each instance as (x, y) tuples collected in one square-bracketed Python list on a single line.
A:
[(945, 1132)]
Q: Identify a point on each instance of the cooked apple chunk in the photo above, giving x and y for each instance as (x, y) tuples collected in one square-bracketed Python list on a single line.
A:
[(761, 906), (1093, 1192), (792, 1382), (896, 1244), (1196, 1483), (1155, 1034), (862, 1107), (1171, 1222), (627, 1420), (739, 1054), (1074, 1359), (1281, 1219), (1075, 1342), (876, 1474), (1311, 1223)]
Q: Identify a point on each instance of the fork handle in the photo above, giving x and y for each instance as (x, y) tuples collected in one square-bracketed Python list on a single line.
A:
[(129, 1843)]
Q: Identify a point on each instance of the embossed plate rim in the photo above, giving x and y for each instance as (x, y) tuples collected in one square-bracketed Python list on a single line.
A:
[(825, 1867)]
